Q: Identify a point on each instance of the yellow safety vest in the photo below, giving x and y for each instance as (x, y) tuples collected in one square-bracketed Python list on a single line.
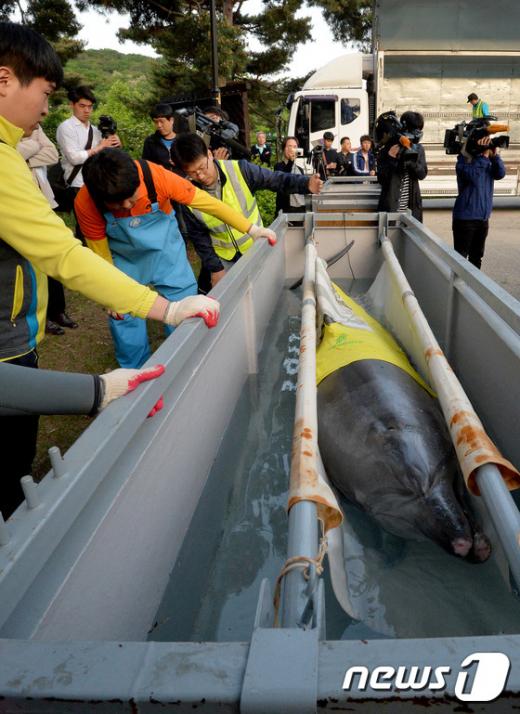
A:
[(228, 241), (365, 338), (477, 112)]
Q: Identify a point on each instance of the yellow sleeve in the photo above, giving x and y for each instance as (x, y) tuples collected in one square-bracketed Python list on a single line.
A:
[(206, 203), (33, 230), (101, 248)]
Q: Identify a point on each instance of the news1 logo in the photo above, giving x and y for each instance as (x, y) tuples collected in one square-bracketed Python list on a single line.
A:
[(482, 677)]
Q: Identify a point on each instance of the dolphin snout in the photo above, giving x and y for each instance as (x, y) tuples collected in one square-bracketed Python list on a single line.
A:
[(461, 546)]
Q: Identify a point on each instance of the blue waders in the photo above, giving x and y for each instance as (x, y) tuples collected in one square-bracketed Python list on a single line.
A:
[(150, 249)]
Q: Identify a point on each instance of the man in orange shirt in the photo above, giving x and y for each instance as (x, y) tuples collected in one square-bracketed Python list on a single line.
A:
[(126, 216)]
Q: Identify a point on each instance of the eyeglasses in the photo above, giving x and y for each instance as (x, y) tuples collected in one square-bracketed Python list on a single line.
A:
[(200, 170)]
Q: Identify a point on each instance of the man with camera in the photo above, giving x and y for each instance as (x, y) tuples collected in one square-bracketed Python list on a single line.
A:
[(78, 139), (401, 162), (477, 171)]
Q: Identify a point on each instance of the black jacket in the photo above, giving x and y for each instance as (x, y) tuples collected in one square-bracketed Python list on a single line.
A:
[(389, 174), (265, 156), (344, 164), (154, 150), (256, 178), (283, 198)]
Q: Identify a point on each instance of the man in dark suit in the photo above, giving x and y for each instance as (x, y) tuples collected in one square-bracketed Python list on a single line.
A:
[(261, 150)]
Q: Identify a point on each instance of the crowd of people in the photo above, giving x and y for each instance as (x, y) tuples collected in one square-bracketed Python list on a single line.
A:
[(133, 218)]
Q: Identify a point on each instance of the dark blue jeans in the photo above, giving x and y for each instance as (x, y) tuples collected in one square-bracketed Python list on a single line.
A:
[(18, 436)]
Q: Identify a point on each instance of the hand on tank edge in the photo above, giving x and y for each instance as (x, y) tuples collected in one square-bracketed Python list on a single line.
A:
[(123, 381), (315, 183), (194, 306), (257, 232)]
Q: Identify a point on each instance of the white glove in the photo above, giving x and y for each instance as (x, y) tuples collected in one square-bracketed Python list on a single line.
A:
[(121, 381), (195, 306), (257, 232)]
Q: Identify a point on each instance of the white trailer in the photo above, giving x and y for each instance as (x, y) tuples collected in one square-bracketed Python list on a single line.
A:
[(427, 59)]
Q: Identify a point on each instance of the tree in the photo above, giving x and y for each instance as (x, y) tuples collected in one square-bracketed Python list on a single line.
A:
[(179, 31), (349, 20), (54, 19)]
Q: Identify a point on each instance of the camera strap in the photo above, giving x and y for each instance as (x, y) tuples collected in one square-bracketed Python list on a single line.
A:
[(75, 171)]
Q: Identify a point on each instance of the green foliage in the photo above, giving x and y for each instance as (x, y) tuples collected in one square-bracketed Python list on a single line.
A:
[(349, 20), (100, 68), (121, 94), (54, 19), (186, 55), (266, 204), (55, 117), (123, 103), (179, 31), (266, 200)]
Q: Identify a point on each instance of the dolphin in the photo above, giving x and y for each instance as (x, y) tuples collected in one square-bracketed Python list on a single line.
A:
[(384, 443), (385, 447)]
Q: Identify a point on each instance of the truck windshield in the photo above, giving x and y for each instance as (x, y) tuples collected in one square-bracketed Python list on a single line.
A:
[(323, 114), (350, 109)]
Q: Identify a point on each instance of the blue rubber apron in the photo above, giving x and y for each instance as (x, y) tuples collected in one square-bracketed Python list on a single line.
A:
[(150, 249)]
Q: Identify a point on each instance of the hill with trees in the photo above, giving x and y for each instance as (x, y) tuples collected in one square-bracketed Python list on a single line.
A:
[(101, 68)]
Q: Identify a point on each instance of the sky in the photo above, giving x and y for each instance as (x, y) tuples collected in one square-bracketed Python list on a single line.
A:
[(100, 32)]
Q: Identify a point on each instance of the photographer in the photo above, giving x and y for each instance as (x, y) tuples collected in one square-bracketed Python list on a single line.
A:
[(78, 139), (289, 202), (475, 180), (399, 169), (219, 147)]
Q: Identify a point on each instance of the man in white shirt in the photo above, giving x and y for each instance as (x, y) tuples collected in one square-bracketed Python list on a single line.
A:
[(73, 135)]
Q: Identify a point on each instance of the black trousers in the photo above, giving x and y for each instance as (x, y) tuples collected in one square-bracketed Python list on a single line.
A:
[(56, 304), (77, 230), (469, 238), (18, 436)]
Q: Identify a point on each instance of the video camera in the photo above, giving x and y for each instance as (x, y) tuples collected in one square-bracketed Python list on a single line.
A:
[(223, 132), (107, 126), (464, 137), (317, 159), (389, 131)]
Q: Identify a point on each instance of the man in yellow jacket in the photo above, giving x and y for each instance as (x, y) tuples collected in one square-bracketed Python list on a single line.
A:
[(35, 243)]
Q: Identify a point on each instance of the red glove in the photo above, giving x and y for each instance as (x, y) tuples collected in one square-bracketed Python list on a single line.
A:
[(257, 232), (195, 306), (122, 381), (157, 407)]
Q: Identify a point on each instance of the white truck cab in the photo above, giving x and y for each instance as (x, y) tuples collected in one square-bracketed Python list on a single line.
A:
[(335, 99)]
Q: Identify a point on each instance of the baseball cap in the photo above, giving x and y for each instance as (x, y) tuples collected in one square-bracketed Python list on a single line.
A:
[(328, 135), (471, 96)]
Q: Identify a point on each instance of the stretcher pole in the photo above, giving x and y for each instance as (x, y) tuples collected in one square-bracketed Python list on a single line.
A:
[(477, 455), (303, 516)]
